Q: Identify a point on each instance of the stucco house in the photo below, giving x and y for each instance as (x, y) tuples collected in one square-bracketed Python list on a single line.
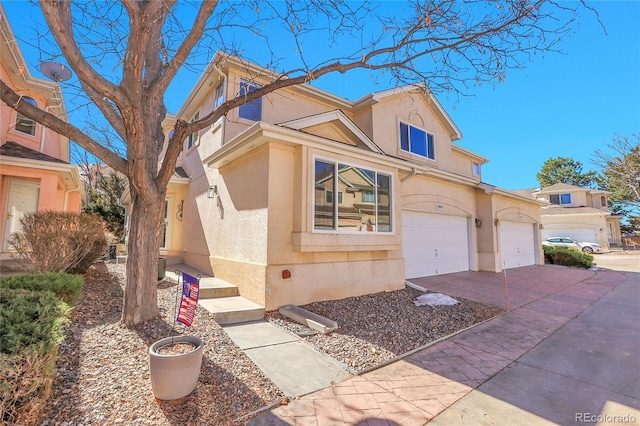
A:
[(579, 213), (302, 196), (35, 174)]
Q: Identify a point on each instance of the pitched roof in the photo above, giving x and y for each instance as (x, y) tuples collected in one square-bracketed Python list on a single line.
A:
[(561, 187), (13, 149), (555, 210)]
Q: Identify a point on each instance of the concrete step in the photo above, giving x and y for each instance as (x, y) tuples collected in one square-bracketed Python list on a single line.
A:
[(232, 310), (211, 288)]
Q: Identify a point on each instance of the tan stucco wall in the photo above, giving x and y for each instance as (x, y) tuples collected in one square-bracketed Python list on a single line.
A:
[(261, 224)]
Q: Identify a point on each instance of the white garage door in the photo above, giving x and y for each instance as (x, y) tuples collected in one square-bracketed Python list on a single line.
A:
[(434, 244), (517, 244), (580, 234)]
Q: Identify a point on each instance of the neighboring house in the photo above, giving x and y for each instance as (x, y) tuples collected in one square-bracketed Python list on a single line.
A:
[(35, 174), (303, 196), (579, 213)]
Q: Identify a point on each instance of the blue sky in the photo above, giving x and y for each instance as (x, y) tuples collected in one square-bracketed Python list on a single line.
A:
[(566, 104)]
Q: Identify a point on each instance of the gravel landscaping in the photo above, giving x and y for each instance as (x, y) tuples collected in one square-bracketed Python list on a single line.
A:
[(102, 374), (376, 328)]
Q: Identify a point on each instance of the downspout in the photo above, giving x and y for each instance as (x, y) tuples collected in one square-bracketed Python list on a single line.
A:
[(224, 117), (409, 176)]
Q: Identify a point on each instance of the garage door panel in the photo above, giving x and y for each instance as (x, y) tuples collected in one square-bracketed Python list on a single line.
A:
[(434, 244), (518, 244), (580, 234)]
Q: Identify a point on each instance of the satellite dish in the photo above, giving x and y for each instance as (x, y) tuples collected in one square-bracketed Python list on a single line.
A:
[(55, 71)]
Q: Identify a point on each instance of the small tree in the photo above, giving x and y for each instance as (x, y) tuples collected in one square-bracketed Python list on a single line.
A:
[(564, 170), (125, 55), (102, 199)]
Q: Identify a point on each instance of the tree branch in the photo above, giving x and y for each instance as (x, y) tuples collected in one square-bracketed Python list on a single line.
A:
[(60, 126)]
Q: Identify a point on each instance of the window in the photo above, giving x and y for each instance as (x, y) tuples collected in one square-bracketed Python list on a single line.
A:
[(329, 197), (164, 231), (560, 199), (193, 137), (416, 141), (476, 169), (219, 95), (603, 201), (366, 206), (24, 124), (251, 110), (368, 197)]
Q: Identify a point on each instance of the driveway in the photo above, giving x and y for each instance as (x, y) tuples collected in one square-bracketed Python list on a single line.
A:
[(565, 353)]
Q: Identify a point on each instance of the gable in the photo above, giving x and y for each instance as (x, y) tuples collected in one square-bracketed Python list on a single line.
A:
[(333, 125)]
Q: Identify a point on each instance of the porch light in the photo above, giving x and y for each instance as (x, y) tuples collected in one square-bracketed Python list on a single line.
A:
[(212, 191), (478, 223)]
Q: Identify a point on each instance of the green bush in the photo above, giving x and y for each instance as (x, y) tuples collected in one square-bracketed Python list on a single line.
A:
[(31, 321), (60, 241), (66, 286), (31, 330), (567, 256)]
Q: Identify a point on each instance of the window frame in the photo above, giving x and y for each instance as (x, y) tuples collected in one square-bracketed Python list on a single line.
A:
[(20, 118), (475, 168), (194, 138), (561, 199), (250, 106), (429, 141), (336, 223)]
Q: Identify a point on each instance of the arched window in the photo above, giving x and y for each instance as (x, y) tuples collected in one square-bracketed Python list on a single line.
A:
[(24, 124), (603, 201)]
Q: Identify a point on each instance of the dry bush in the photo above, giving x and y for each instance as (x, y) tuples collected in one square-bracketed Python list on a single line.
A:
[(25, 384), (60, 241)]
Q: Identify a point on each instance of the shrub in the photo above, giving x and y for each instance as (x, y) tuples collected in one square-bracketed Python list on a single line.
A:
[(60, 241), (31, 325), (65, 286), (567, 256)]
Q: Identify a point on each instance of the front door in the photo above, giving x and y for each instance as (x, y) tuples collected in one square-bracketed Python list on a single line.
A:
[(23, 198)]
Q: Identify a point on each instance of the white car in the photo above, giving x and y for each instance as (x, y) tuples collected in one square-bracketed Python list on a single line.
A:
[(570, 242)]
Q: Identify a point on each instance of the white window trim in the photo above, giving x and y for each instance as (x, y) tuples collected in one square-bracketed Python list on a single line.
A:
[(167, 223), (337, 231), (427, 136), (35, 123), (195, 144), (257, 86)]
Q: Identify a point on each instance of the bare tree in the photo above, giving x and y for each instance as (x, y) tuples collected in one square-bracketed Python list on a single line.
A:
[(620, 173), (125, 55)]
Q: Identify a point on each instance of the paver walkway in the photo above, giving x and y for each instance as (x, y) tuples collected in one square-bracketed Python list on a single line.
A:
[(417, 389)]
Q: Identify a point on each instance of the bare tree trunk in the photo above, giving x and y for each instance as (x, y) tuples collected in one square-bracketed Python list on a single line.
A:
[(140, 298)]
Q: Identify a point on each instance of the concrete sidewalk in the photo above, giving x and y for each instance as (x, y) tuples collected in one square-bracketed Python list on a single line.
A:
[(568, 347), (286, 358)]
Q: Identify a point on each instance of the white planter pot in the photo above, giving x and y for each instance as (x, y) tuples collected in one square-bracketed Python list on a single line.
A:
[(175, 376)]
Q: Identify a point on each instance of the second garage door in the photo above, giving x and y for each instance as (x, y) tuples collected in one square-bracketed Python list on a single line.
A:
[(434, 244), (517, 244)]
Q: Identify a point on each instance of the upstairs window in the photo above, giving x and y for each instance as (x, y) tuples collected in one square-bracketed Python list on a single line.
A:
[(416, 141), (560, 199), (476, 168), (219, 95), (192, 140), (603, 201), (251, 110), (24, 124)]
